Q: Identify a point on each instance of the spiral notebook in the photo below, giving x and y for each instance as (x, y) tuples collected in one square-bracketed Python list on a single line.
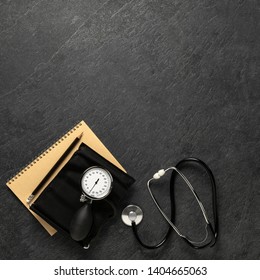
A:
[(24, 182)]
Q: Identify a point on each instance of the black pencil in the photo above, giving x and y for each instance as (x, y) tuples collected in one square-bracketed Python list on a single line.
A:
[(54, 168)]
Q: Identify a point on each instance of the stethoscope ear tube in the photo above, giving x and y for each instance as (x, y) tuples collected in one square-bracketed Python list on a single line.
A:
[(211, 232)]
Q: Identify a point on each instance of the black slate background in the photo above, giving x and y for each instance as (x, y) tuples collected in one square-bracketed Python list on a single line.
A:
[(156, 81)]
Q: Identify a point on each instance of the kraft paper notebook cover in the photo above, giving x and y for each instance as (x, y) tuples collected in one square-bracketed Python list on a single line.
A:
[(24, 182)]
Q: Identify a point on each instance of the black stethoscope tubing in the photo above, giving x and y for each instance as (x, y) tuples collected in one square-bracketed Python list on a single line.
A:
[(209, 227)]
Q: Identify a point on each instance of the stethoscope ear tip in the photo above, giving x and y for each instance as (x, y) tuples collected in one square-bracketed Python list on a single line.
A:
[(132, 214)]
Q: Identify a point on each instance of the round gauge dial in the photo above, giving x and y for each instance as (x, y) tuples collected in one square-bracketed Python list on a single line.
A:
[(96, 182)]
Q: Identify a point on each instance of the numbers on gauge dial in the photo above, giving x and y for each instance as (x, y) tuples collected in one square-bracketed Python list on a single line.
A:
[(96, 182)]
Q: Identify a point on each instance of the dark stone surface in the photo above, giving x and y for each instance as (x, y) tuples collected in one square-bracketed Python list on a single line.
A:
[(156, 81)]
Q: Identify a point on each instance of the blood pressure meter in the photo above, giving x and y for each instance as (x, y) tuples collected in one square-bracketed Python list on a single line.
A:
[(96, 184)]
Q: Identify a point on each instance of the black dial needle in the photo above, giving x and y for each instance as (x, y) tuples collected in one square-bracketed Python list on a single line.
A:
[(94, 185)]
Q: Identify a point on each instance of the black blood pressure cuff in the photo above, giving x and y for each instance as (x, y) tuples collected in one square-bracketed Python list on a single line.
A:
[(60, 200)]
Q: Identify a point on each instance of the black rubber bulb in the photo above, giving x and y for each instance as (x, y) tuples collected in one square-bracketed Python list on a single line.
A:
[(81, 223)]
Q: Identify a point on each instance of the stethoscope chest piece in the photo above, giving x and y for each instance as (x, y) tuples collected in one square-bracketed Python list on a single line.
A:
[(132, 213)]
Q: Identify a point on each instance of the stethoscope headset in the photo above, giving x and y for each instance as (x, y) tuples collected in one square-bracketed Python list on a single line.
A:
[(132, 215)]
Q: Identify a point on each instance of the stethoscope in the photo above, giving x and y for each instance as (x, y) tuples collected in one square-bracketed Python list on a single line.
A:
[(132, 215)]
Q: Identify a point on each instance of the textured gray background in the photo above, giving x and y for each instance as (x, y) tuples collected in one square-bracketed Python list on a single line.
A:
[(156, 81)]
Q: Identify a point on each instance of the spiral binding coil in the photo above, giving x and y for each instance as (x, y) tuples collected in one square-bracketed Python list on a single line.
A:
[(43, 153)]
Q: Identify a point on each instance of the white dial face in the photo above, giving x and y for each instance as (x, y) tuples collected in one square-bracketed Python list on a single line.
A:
[(96, 182)]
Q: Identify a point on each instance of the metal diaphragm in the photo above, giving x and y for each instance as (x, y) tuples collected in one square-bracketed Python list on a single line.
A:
[(132, 213)]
